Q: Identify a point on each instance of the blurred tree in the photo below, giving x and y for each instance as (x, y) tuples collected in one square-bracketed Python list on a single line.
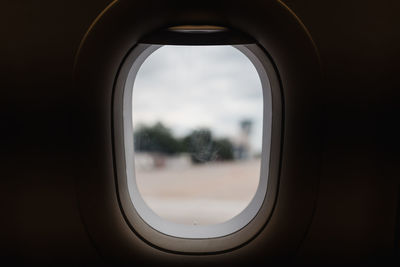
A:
[(224, 149), (199, 143), (156, 138), (203, 148)]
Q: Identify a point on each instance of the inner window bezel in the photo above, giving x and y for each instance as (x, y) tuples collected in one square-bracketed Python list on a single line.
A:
[(184, 230), (187, 238)]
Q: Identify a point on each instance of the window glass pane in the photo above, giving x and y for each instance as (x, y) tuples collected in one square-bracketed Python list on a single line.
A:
[(197, 118)]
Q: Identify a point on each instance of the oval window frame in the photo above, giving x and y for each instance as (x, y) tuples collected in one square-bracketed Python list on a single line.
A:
[(188, 238)]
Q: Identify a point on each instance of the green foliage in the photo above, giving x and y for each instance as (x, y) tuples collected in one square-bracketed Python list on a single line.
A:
[(156, 138), (199, 143), (200, 146), (224, 148)]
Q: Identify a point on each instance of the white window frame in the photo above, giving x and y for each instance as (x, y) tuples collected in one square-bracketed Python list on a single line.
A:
[(202, 238)]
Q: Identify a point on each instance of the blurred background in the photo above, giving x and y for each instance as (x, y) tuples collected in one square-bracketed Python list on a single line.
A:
[(197, 116)]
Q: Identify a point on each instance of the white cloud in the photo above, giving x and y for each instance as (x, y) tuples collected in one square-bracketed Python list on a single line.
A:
[(188, 87)]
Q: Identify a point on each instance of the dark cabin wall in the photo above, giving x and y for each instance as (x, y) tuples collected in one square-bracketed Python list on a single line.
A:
[(41, 131), (358, 199)]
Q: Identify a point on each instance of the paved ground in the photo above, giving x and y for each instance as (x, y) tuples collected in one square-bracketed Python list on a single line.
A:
[(201, 194)]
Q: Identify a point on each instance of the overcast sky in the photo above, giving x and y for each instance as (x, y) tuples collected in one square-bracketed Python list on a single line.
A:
[(191, 87)]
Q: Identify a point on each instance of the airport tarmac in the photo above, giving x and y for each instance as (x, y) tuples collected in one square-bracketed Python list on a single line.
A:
[(200, 194)]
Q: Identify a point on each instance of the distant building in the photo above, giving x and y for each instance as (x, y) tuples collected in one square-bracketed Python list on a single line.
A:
[(145, 161), (242, 143)]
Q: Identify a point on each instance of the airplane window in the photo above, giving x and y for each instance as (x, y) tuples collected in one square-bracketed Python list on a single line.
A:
[(197, 116), (196, 124)]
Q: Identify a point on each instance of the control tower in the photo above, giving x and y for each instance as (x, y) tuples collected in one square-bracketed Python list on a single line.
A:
[(243, 150)]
